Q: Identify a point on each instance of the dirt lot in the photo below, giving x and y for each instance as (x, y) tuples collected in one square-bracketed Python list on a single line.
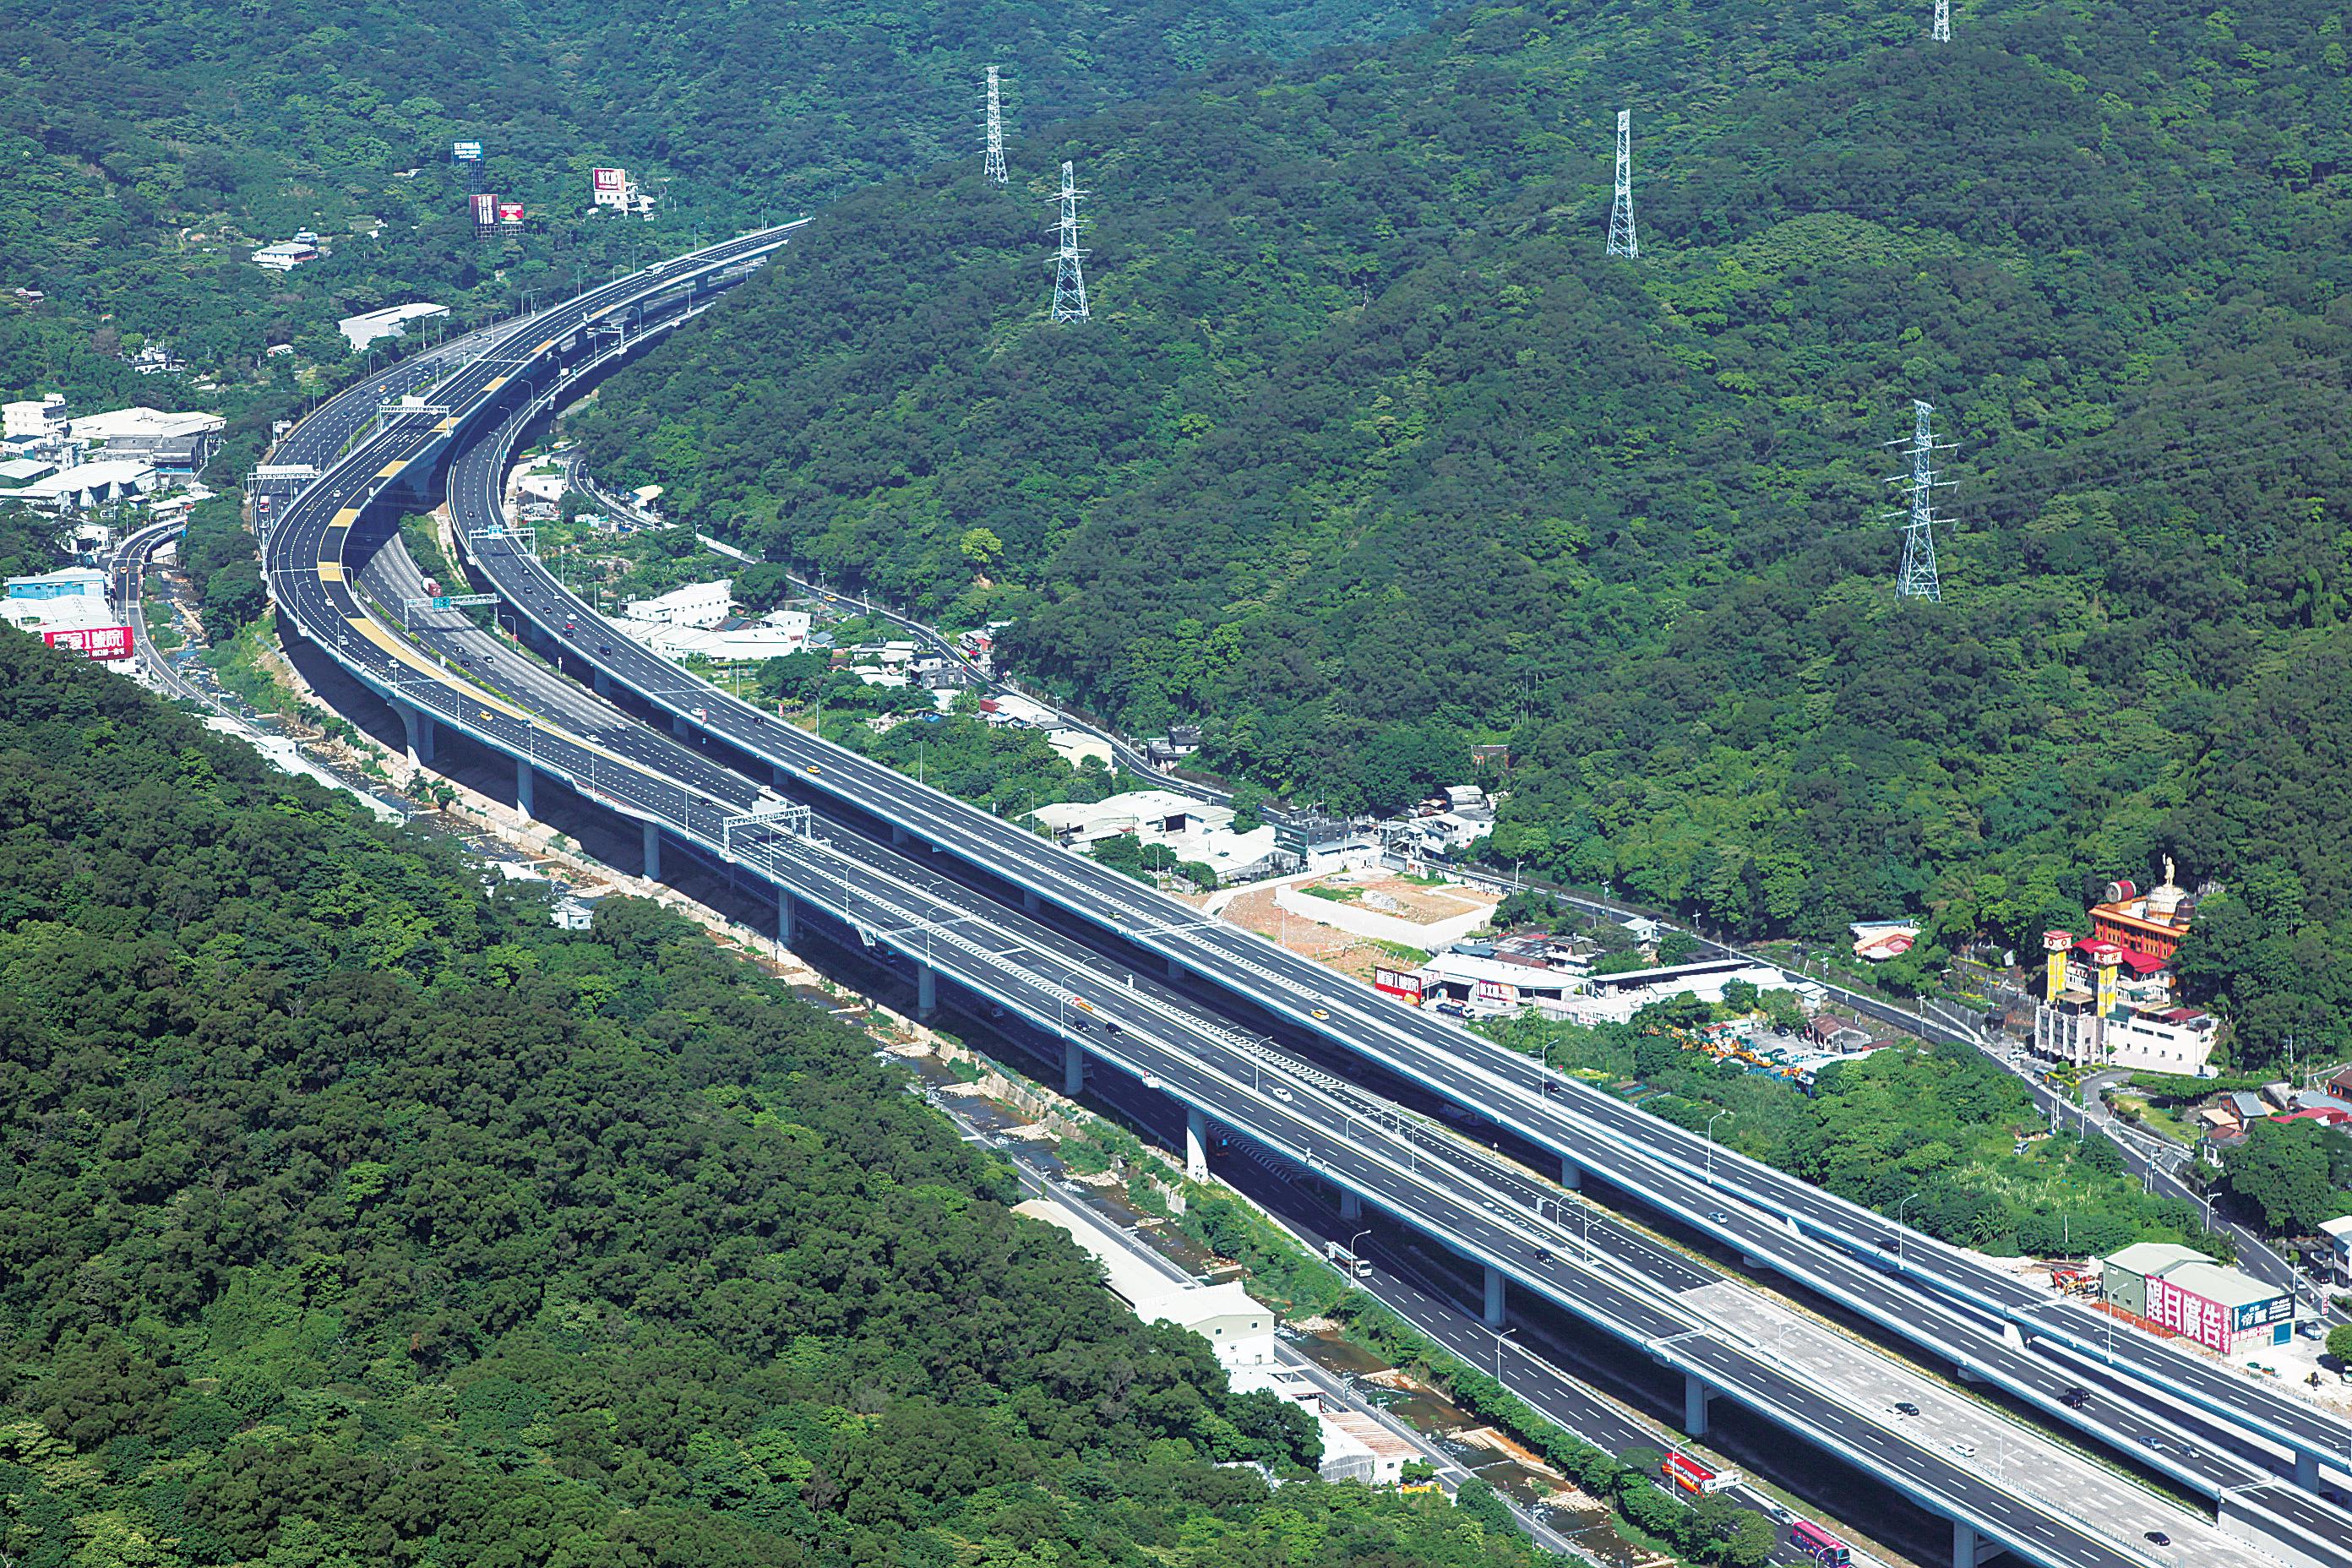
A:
[(1352, 956), (1409, 901), (1256, 911)]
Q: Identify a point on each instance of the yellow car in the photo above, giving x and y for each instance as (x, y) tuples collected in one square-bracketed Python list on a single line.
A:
[(813, 768), (1319, 1013)]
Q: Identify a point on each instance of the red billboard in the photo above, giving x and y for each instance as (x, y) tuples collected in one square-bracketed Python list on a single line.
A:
[(486, 209), (608, 179), (510, 215), (95, 642)]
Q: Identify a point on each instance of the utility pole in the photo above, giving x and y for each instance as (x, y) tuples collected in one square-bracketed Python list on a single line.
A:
[(994, 167), (1070, 275), (1918, 580), (1943, 29), (1620, 211)]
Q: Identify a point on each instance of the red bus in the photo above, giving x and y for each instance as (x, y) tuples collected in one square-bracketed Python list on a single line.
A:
[(1693, 1476), (1824, 1548)]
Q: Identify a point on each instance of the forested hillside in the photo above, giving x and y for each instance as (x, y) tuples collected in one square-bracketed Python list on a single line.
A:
[(351, 1213), (1369, 453), (148, 148)]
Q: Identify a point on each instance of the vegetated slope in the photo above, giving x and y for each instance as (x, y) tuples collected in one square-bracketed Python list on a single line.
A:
[(353, 1213), (1369, 453), (144, 144), (1940, 1135)]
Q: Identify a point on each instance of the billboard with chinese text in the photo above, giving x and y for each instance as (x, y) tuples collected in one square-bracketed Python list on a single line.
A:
[(95, 642)]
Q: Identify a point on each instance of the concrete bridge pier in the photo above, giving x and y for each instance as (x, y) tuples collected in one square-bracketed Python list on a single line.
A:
[(1029, 900), (1695, 1396), (1968, 1548), (1074, 1069), (523, 778), (899, 836), (1571, 1175), (788, 918), (2306, 1471), (776, 775), (1196, 1145), (601, 682), (927, 990), (678, 726), (419, 726), (1492, 1312), (653, 851), (1351, 1205)]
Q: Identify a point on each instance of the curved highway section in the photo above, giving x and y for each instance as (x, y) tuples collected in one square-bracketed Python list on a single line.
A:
[(1585, 1127), (947, 929)]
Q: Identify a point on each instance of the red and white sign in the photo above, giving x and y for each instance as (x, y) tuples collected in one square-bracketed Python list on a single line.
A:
[(609, 187), (1402, 984), (1496, 993), (510, 215), (95, 642), (2187, 1313), (486, 208)]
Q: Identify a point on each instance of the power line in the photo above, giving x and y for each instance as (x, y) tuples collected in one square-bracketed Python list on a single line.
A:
[(1069, 274), (1942, 31)]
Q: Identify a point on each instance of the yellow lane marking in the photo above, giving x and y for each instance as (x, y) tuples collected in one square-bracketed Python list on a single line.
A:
[(392, 467), (496, 382), (331, 571), (407, 654), (544, 347), (446, 425), (345, 518)]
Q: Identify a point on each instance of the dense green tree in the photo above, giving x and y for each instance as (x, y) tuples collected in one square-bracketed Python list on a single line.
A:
[(760, 587), (358, 1214), (1344, 489), (2293, 1173)]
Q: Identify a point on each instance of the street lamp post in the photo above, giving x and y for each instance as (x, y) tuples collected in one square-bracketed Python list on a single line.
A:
[(1899, 1227), (1499, 1337), (1710, 1144)]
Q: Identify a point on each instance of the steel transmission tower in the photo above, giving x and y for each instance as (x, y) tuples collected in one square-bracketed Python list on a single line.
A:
[(994, 167), (1620, 211), (1943, 30), (1070, 275), (1918, 577)]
